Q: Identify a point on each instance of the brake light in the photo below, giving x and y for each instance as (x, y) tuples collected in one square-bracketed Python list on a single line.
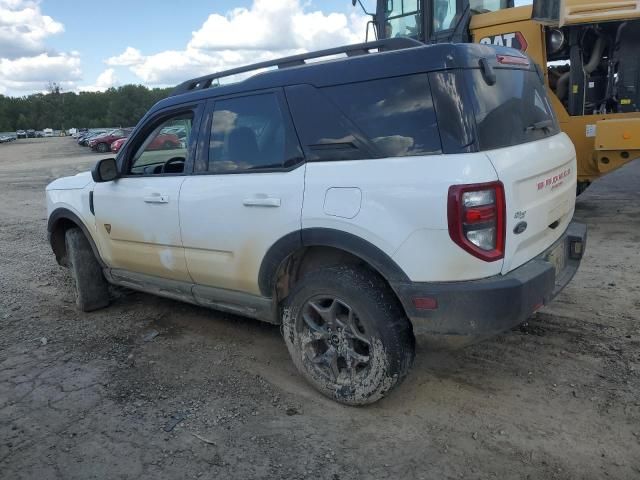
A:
[(512, 60), (476, 216)]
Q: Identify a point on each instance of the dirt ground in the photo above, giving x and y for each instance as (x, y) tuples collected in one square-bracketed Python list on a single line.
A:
[(152, 389)]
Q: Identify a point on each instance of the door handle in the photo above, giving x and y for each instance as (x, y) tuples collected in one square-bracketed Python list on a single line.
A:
[(156, 198), (261, 201)]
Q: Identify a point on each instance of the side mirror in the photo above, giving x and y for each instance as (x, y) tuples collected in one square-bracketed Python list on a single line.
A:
[(105, 170), (356, 2)]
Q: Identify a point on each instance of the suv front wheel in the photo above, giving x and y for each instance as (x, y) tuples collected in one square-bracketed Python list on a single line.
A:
[(347, 334), (92, 291)]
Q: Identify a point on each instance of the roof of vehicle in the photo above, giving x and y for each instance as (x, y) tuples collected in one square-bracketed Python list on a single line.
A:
[(399, 56)]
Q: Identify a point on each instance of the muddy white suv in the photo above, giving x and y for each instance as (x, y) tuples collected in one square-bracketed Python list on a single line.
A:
[(401, 191)]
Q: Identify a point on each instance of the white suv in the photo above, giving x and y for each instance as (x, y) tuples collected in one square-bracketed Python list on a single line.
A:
[(402, 191)]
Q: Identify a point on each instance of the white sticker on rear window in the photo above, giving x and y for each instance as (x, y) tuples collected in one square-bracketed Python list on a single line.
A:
[(591, 131)]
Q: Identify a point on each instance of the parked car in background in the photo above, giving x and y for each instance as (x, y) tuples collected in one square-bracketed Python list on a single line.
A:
[(6, 138), (165, 141), (117, 145), (103, 143), (39, 134), (48, 132), (21, 134), (84, 138), (31, 133), (78, 132)]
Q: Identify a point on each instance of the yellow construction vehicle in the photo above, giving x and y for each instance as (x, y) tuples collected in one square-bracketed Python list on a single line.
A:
[(589, 51)]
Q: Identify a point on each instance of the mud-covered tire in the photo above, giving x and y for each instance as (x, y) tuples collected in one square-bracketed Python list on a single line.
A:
[(369, 324), (92, 291)]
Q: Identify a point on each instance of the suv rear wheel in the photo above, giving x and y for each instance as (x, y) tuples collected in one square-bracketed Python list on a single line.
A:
[(347, 334), (92, 291)]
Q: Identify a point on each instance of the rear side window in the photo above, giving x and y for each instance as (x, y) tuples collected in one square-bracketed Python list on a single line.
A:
[(325, 133), (514, 110), (250, 134), (395, 114)]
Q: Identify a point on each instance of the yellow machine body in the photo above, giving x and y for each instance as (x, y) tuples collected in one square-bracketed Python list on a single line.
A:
[(603, 142)]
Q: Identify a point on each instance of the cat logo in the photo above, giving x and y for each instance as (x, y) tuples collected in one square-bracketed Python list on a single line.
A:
[(513, 40)]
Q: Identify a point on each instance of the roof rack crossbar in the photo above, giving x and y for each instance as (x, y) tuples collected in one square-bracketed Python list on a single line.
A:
[(297, 60)]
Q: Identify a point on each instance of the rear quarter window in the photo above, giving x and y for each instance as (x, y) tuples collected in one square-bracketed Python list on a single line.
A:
[(392, 117), (395, 114)]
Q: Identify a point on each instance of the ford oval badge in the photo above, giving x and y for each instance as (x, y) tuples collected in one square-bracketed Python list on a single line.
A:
[(519, 228)]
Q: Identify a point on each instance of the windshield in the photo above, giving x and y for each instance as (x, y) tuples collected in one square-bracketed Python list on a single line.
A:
[(402, 18), (484, 6)]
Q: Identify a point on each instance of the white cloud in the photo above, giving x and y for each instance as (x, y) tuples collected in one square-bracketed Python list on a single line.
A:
[(276, 25), (171, 67), (26, 64), (268, 29), (131, 56), (23, 28), (105, 80), (34, 73)]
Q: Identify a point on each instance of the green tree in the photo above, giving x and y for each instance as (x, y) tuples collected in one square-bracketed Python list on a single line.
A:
[(21, 123), (122, 106)]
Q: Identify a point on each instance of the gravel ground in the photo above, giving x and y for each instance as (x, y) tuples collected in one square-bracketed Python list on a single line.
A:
[(151, 388)]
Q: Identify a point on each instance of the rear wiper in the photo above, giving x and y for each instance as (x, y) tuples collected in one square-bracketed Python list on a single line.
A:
[(541, 125)]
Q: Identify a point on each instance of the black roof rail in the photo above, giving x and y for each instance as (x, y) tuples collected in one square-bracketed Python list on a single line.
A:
[(295, 60)]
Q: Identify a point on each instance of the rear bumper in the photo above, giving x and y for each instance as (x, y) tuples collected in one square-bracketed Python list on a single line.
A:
[(471, 310)]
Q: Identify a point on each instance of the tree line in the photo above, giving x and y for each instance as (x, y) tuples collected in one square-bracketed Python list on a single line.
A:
[(122, 106)]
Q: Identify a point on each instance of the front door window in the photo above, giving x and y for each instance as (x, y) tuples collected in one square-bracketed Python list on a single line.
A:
[(164, 150)]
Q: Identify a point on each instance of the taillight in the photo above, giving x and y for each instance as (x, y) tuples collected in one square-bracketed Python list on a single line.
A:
[(476, 215)]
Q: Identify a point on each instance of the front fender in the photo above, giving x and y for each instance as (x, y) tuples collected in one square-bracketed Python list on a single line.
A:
[(60, 220)]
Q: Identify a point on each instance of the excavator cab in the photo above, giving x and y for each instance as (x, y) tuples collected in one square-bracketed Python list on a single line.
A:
[(431, 22)]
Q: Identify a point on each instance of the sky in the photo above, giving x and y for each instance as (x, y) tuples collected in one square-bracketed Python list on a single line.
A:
[(94, 45)]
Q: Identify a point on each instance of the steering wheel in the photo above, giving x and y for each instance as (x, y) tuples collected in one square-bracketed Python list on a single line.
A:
[(173, 165)]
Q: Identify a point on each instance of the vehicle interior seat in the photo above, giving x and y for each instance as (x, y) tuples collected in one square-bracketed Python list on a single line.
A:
[(243, 146)]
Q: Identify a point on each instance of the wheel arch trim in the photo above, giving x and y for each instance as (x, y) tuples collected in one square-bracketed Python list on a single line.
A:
[(325, 237), (57, 241)]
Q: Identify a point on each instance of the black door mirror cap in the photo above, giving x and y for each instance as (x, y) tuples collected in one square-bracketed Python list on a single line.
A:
[(105, 170)]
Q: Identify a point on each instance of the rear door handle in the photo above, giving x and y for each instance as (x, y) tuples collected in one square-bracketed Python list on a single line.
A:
[(156, 198), (261, 201)]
